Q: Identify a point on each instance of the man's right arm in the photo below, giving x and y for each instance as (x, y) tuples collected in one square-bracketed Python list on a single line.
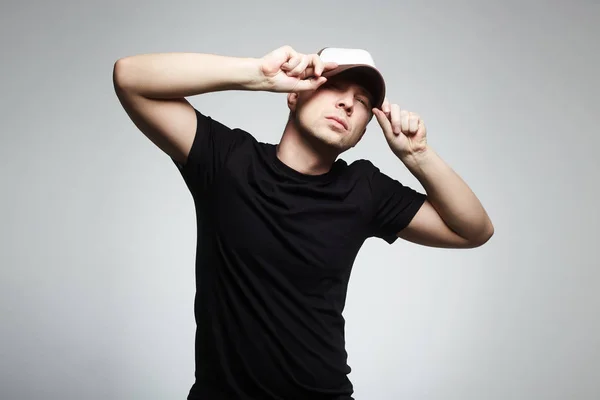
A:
[(152, 89)]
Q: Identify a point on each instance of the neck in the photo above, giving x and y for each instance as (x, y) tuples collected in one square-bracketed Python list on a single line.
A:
[(304, 153)]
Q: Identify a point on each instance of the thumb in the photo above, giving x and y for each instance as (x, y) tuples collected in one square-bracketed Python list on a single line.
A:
[(384, 122), (310, 84)]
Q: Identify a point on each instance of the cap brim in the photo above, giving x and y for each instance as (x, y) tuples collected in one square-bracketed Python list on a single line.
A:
[(366, 75)]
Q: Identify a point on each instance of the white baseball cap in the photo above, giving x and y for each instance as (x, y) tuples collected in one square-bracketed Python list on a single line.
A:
[(359, 63)]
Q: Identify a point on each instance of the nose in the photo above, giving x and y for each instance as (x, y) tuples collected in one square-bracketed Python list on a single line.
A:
[(346, 101)]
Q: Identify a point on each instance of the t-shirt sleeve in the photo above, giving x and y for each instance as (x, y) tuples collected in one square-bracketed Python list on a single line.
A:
[(393, 205), (212, 145)]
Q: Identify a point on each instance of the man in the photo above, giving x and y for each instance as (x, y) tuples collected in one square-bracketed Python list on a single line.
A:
[(279, 226)]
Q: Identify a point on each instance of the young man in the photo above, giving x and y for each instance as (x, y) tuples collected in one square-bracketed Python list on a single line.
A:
[(279, 226)]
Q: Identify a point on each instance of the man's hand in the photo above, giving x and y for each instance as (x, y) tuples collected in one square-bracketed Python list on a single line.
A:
[(452, 216), (285, 70), (404, 131)]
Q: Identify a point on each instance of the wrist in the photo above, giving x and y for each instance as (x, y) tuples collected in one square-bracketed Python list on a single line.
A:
[(249, 74), (417, 157), (418, 162)]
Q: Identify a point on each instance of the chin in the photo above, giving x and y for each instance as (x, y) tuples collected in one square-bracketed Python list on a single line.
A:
[(336, 141), (333, 140)]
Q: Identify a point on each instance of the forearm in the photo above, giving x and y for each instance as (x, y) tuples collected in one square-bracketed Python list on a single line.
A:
[(176, 75), (452, 198)]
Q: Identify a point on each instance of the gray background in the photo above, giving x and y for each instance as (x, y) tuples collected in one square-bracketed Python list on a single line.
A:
[(98, 230)]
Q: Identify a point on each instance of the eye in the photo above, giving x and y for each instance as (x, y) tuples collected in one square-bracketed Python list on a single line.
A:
[(363, 101)]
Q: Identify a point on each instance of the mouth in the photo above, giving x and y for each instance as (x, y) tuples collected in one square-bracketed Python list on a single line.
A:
[(340, 122)]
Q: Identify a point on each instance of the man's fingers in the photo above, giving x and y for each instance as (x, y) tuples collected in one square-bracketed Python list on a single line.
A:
[(294, 59), (300, 67), (306, 65), (384, 122), (396, 118), (316, 82), (328, 66), (410, 122), (309, 84), (310, 65), (317, 64), (401, 121), (385, 107), (413, 123), (317, 67), (405, 121)]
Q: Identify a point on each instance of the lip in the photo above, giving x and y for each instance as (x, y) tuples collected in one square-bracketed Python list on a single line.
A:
[(340, 121)]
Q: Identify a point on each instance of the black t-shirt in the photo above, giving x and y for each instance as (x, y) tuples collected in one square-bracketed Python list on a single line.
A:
[(275, 248)]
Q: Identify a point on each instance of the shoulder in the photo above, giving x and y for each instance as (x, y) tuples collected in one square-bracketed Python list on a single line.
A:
[(362, 169), (380, 186), (211, 125)]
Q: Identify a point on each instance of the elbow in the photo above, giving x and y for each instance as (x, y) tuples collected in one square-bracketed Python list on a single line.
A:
[(484, 236), (489, 231), (121, 74), (117, 75)]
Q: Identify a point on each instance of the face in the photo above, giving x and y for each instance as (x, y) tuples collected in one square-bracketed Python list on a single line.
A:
[(336, 114)]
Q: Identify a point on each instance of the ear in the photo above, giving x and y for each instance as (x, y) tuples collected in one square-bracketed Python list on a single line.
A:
[(292, 101)]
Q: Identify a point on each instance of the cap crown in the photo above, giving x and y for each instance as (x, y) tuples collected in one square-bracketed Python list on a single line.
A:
[(343, 56)]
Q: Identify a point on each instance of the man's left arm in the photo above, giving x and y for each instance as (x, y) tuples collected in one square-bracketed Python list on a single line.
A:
[(452, 216)]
